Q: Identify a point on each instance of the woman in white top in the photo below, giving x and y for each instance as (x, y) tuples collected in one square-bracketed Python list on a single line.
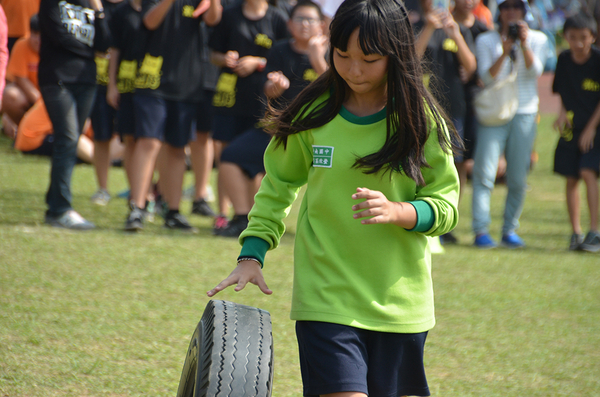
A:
[(497, 53)]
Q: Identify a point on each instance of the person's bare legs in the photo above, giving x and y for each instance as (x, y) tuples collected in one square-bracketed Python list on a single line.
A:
[(238, 187), (14, 103), (102, 162), (85, 149), (573, 203), (223, 200), (129, 142), (171, 169), (202, 157), (143, 158), (591, 182)]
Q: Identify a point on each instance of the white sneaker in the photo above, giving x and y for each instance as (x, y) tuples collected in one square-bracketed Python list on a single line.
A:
[(101, 197), (70, 220)]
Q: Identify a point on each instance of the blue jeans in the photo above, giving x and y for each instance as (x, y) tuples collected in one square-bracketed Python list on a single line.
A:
[(514, 139), (68, 106)]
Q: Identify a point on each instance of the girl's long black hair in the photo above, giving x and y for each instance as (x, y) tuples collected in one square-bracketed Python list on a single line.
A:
[(384, 29)]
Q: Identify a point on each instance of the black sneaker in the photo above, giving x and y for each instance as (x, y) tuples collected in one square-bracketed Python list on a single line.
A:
[(576, 240), (234, 228), (135, 220), (448, 238), (591, 243), (177, 221), (201, 207)]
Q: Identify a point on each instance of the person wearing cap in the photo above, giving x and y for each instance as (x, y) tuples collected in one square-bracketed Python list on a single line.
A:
[(498, 52)]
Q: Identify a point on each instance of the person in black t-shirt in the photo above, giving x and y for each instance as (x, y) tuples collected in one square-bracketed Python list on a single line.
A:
[(240, 46), (577, 156), (168, 86), (71, 32), (449, 49), (293, 64), (126, 53), (103, 117)]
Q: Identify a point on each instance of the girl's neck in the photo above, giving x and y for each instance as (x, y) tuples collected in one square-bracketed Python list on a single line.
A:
[(467, 19), (254, 9), (365, 105)]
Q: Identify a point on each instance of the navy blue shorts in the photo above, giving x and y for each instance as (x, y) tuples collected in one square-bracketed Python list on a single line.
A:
[(568, 159), (227, 128), (205, 113), (125, 115), (247, 151), (102, 117), (168, 121), (337, 358)]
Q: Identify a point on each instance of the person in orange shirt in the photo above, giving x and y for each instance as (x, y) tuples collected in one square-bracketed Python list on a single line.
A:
[(483, 13), (18, 13), (35, 135), (22, 89)]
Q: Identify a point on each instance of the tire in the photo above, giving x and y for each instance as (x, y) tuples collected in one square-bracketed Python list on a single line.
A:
[(230, 354)]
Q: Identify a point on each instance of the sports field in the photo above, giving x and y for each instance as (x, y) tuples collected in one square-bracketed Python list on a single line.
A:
[(105, 313)]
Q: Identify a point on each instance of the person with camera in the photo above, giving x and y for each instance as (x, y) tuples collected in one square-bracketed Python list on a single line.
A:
[(513, 45)]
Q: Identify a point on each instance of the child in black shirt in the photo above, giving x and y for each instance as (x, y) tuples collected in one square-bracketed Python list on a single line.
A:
[(577, 80), (240, 46), (292, 65)]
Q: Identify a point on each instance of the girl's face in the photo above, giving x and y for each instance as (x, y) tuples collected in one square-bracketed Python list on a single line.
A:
[(511, 11), (364, 74), (305, 24)]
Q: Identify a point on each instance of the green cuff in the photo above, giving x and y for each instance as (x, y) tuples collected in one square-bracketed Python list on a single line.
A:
[(425, 216), (255, 247)]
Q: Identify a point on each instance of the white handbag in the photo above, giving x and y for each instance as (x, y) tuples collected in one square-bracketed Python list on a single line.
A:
[(497, 103)]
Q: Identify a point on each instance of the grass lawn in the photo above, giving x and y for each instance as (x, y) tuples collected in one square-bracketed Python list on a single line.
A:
[(105, 313)]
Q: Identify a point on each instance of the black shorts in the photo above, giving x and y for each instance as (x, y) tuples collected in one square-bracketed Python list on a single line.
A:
[(227, 128), (568, 159), (247, 151), (125, 115), (337, 358), (103, 117), (205, 113), (168, 121)]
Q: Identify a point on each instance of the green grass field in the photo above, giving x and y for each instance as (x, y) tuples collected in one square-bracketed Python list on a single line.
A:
[(105, 313)]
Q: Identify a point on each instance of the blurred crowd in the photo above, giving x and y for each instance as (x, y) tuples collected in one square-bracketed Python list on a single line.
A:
[(161, 87)]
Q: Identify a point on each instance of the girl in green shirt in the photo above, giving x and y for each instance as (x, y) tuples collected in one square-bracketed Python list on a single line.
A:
[(372, 147)]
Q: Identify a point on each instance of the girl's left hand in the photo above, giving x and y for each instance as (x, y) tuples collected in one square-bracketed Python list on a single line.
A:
[(376, 206), (523, 31)]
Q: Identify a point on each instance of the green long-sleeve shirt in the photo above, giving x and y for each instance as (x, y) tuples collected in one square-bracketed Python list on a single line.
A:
[(375, 277)]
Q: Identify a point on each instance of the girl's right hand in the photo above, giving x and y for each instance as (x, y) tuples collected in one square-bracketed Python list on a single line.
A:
[(245, 272)]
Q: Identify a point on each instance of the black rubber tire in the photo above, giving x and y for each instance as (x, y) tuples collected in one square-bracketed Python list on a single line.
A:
[(230, 354)]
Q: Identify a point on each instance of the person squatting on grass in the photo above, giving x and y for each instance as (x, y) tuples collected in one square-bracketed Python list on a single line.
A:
[(372, 147), (293, 64), (577, 156)]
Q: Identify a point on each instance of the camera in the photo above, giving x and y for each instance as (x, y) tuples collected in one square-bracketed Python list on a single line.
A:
[(513, 31)]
